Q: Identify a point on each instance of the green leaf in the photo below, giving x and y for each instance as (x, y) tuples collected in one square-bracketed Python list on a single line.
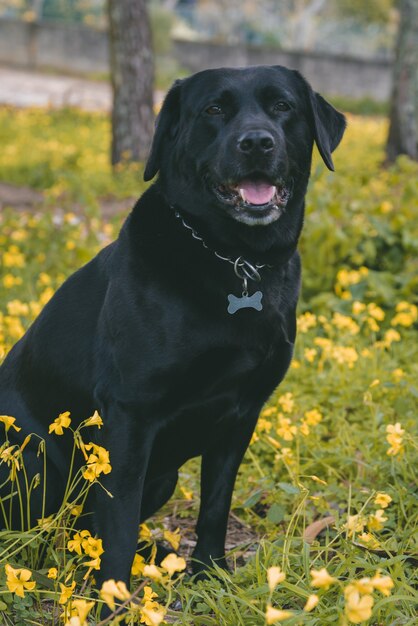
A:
[(288, 488), (253, 499), (276, 513)]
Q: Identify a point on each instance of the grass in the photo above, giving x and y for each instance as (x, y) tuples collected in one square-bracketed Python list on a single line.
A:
[(329, 480)]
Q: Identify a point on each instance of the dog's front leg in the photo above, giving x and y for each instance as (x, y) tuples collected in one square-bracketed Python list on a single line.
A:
[(117, 517), (220, 465)]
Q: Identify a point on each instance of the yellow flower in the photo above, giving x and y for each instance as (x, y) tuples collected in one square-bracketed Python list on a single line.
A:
[(398, 373), (152, 617), (151, 571), (344, 354), (346, 278), (286, 402), (311, 602), (145, 532), (355, 524), (111, 590), (395, 429), (44, 279), (313, 417), (11, 455), (384, 584), (10, 281), (97, 463), (66, 592), (407, 314), (276, 615), (269, 412), (81, 608), (94, 420), (386, 206), (17, 308), (52, 573), (46, 522), (188, 495), (77, 543), (344, 322), (304, 428), (149, 595), (17, 580), (376, 520), (173, 563), (138, 565), (8, 422), (286, 429), (62, 421), (358, 307), (90, 473), (310, 354), (389, 337), (94, 564), (363, 586), (93, 547), (173, 538), (395, 438), (358, 608), (382, 499), (274, 577), (285, 455), (372, 324), (321, 579), (13, 257), (263, 425), (46, 295), (306, 321), (76, 510), (368, 539), (376, 312)]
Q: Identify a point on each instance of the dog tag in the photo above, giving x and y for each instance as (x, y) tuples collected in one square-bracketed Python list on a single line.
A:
[(245, 302)]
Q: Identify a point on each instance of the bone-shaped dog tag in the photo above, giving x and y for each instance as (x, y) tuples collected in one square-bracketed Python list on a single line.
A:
[(245, 302)]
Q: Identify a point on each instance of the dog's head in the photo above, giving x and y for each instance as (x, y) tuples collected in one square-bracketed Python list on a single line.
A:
[(241, 140)]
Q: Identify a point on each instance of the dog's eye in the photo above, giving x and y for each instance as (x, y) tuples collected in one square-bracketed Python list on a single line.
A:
[(214, 109), (280, 106)]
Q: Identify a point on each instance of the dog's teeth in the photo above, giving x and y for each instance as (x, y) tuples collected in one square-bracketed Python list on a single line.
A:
[(242, 194)]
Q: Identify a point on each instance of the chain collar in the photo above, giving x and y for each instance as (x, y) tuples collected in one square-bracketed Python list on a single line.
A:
[(243, 269)]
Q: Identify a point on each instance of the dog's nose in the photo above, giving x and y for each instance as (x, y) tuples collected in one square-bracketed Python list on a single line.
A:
[(256, 141)]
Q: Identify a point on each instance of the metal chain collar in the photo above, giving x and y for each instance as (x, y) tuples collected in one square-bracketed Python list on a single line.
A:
[(242, 268)]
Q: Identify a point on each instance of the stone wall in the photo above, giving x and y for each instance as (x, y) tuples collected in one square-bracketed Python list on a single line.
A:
[(80, 49), (73, 48), (333, 75)]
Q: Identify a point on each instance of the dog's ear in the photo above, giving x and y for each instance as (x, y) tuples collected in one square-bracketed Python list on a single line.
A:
[(328, 123), (329, 126), (166, 127)]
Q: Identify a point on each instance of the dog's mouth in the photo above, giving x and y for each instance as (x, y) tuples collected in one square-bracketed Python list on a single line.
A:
[(255, 200)]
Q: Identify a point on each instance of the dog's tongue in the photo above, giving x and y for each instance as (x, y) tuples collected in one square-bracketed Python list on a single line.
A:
[(256, 192)]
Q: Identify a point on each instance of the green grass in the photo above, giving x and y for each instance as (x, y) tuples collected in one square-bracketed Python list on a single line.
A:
[(321, 446)]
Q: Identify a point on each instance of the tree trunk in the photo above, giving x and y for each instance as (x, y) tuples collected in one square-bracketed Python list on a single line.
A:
[(403, 129), (132, 71)]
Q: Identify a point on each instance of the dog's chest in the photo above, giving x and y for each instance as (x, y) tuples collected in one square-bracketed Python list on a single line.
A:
[(205, 396)]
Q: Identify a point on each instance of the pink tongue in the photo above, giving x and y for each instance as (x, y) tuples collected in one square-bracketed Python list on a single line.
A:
[(256, 192)]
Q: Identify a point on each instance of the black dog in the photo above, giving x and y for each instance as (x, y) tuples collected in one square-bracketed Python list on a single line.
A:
[(178, 332)]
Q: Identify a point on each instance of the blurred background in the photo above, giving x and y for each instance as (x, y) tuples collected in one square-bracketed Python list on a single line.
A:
[(345, 48)]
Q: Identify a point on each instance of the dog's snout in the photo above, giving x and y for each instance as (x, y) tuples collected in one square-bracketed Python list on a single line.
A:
[(256, 141)]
